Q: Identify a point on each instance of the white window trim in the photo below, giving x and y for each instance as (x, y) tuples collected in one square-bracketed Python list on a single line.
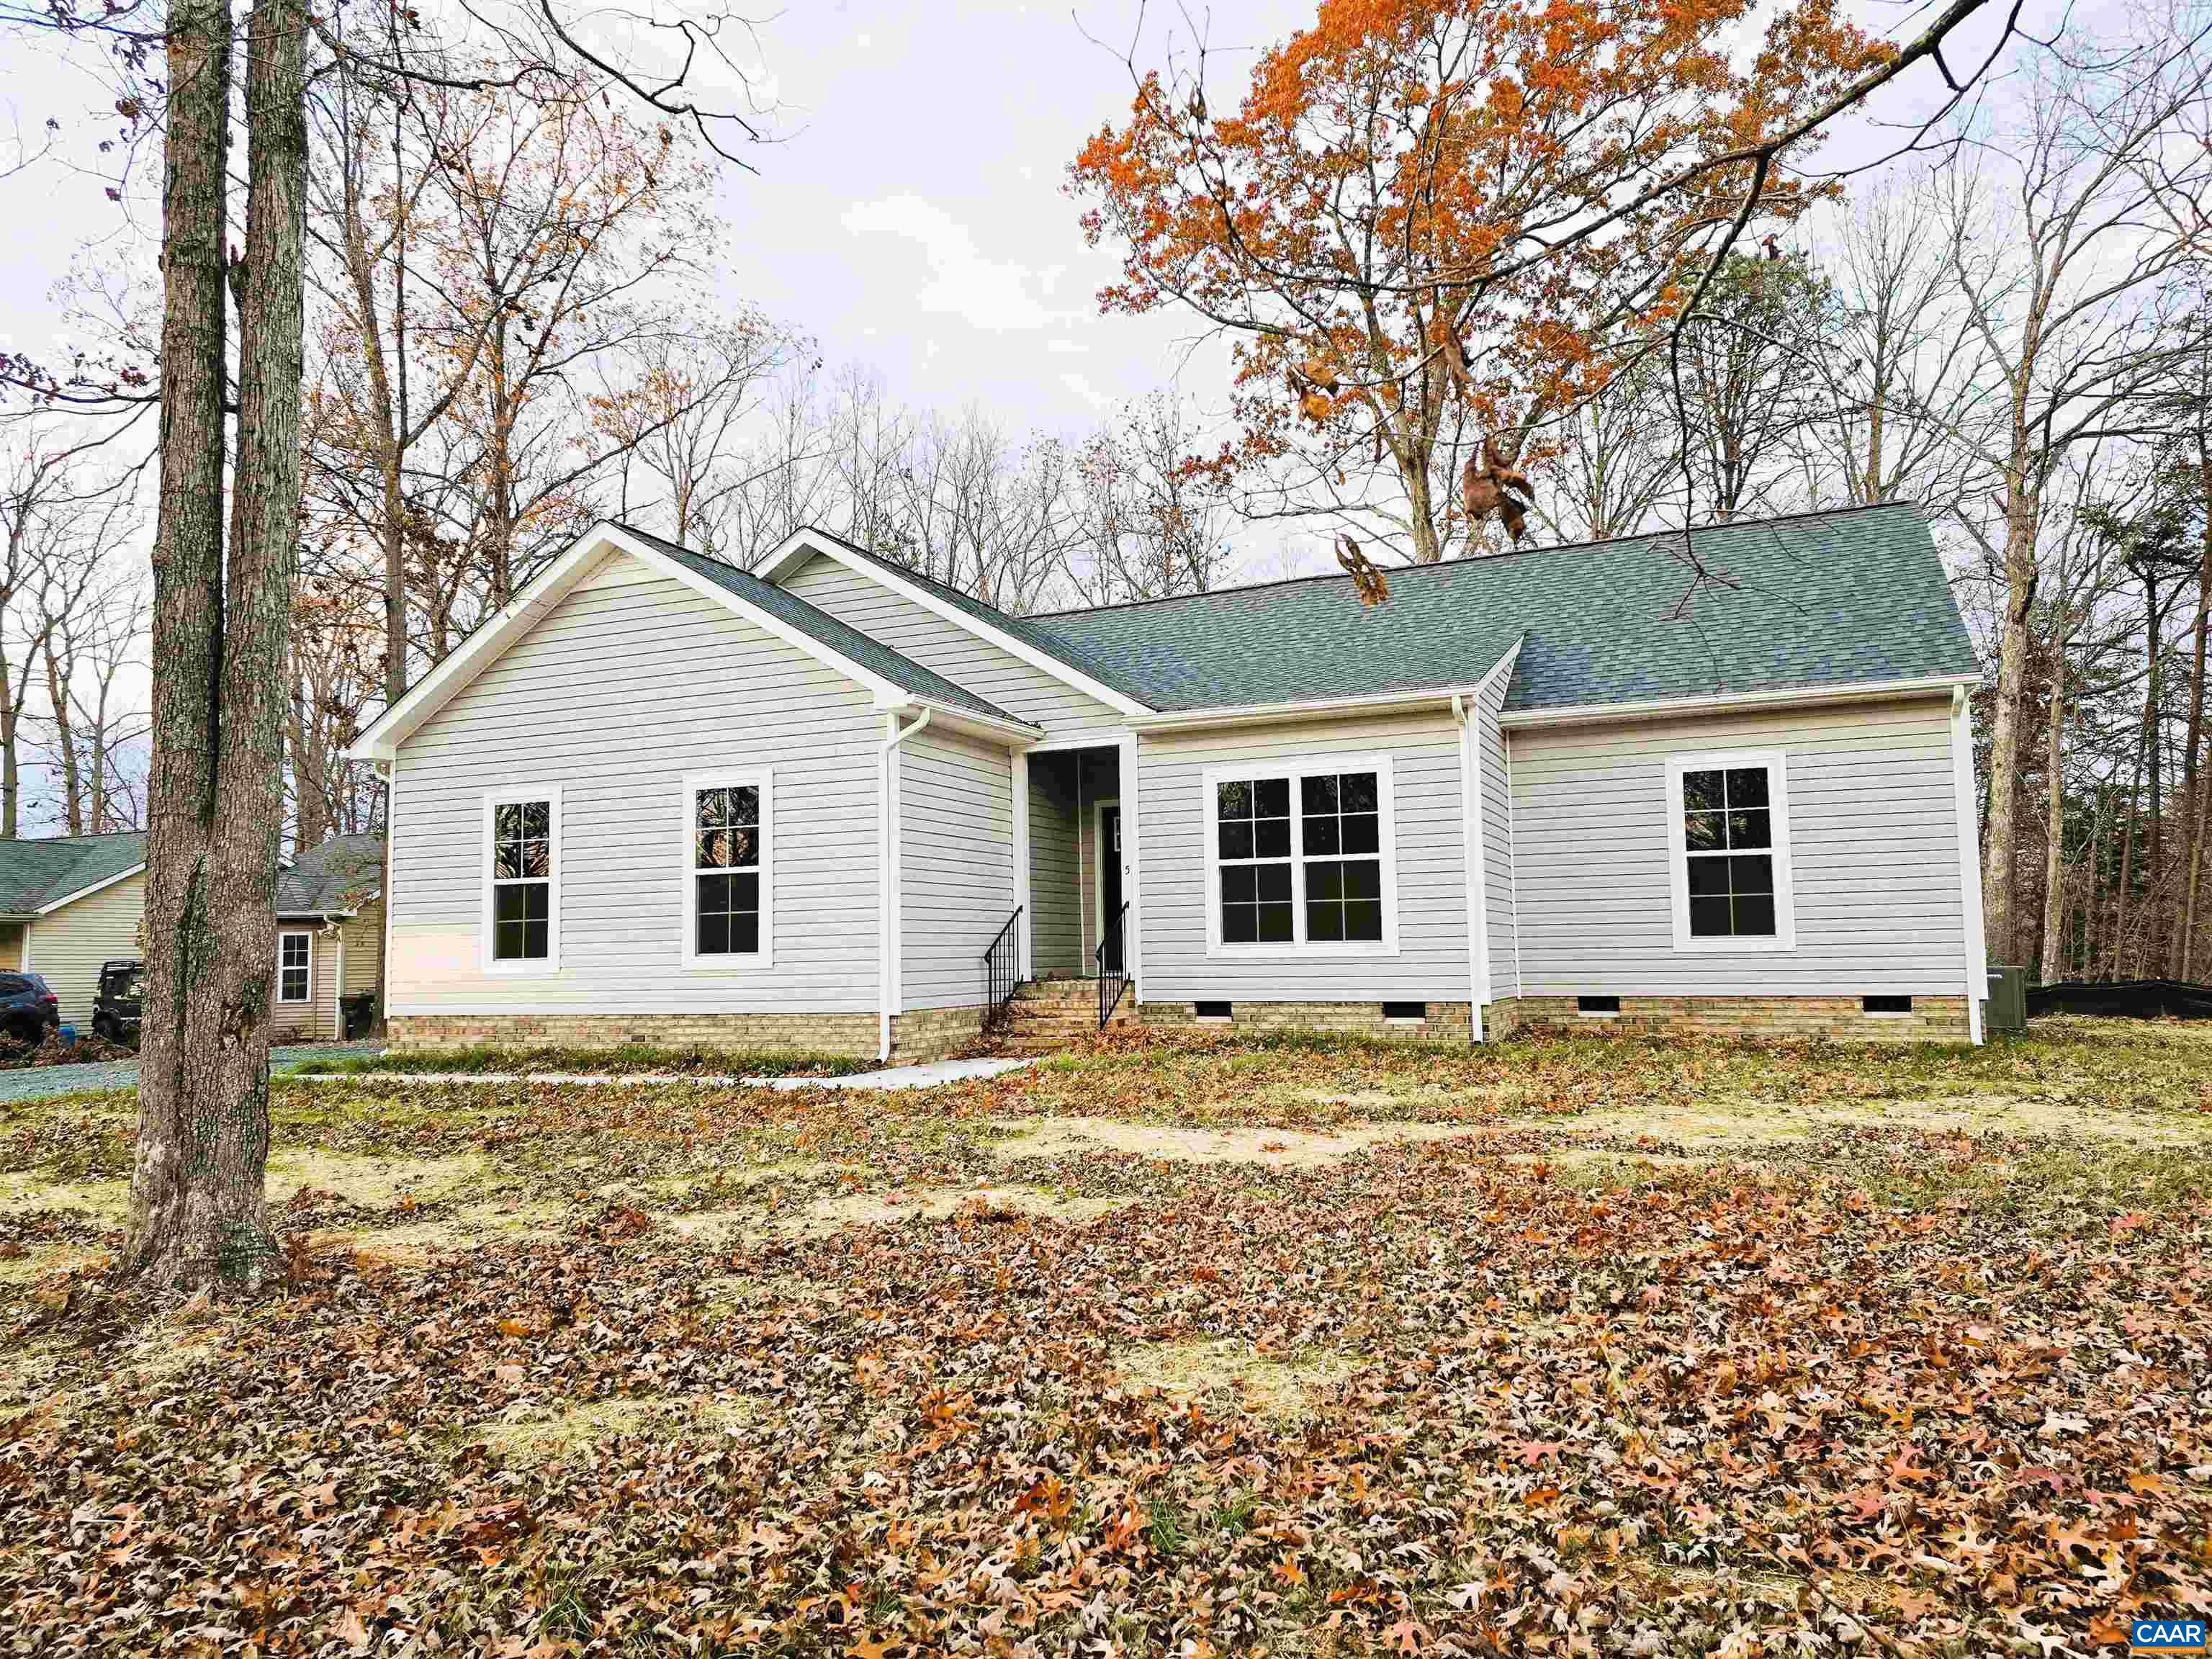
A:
[(1678, 852), (763, 779), (1297, 770), (493, 799), (306, 933)]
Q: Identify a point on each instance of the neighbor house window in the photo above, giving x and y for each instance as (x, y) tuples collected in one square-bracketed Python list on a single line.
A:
[(295, 955), (522, 881), (1730, 848), (1298, 859), (727, 875)]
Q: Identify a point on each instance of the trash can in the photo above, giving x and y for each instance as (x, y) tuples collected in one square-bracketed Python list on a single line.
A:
[(360, 1014), (2007, 1010)]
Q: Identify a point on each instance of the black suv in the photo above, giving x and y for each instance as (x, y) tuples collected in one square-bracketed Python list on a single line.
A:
[(28, 1009), (115, 1006)]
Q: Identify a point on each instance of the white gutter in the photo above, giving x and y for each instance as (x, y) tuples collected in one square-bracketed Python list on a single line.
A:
[(1271, 713), (1798, 696), (887, 873)]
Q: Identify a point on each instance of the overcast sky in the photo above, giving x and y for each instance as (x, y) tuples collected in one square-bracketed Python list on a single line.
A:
[(911, 217)]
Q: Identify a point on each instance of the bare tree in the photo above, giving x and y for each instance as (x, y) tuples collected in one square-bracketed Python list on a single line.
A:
[(63, 515), (1906, 403), (1150, 521), (2056, 279), (692, 393), (1617, 458), (94, 730)]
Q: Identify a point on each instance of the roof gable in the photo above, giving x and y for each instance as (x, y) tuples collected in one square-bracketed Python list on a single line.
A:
[(1019, 636), (39, 876), (895, 682)]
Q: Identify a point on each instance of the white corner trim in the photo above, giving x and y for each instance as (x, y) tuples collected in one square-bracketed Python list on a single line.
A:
[(1471, 860), (1513, 863), (555, 833), (1801, 697), (1018, 784), (1776, 763), (803, 545), (307, 1000), (761, 778), (87, 892), (887, 873), (1296, 769), (1969, 865), (1128, 781)]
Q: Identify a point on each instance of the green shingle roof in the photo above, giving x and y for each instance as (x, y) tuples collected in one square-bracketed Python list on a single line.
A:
[(824, 628), (340, 875), (33, 873), (1824, 599)]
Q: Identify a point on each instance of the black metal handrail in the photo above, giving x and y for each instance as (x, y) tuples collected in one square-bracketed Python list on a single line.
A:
[(1002, 971), (1115, 979)]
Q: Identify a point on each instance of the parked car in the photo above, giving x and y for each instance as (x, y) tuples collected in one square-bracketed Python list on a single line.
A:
[(115, 1004), (28, 1008)]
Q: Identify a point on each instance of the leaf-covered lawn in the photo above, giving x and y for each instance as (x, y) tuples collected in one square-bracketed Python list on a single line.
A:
[(1573, 1345)]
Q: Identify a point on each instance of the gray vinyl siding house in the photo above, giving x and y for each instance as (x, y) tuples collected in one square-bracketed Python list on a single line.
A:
[(1722, 786)]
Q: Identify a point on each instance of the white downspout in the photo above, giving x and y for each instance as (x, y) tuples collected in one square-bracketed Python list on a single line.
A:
[(887, 874)]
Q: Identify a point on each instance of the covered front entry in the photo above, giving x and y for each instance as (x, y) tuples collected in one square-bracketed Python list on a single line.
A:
[(1078, 863)]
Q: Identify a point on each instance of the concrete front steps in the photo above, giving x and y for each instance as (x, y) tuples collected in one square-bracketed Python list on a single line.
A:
[(1048, 1015)]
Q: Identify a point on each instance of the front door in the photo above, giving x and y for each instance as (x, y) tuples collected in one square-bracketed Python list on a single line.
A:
[(1109, 886)]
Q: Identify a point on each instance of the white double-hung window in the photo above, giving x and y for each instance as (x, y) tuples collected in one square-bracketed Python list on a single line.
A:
[(1301, 859), (1729, 833), (728, 912), (295, 965), (521, 928)]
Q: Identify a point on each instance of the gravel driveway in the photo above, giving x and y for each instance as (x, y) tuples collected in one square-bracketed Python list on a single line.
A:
[(35, 1082)]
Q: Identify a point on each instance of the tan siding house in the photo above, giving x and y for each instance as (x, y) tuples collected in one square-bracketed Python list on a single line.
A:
[(834, 804), (78, 902), (66, 946)]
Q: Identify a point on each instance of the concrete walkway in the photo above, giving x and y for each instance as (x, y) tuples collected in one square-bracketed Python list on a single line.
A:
[(930, 1076)]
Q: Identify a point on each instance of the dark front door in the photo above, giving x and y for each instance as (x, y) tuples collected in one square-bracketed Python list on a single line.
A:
[(1109, 887)]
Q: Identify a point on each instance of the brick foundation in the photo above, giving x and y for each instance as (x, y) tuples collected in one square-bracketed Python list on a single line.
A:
[(922, 1034), (1835, 1019), (1446, 1022)]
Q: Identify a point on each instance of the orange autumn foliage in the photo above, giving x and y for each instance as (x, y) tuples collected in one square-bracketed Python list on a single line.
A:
[(1420, 228)]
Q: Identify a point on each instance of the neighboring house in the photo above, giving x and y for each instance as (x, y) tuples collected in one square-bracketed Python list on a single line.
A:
[(655, 797), (329, 936), (71, 902), (67, 904)]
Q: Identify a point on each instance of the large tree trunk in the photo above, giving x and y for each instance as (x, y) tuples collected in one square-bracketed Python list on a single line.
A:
[(198, 1211), (2149, 955), (2000, 931), (11, 773), (2194, 800), (2054, 866)]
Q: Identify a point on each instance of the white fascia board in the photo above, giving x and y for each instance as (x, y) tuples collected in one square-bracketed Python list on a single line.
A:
[(1271, 713), (515, 618), (1800, 697), (802, 545), (87, 892)]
